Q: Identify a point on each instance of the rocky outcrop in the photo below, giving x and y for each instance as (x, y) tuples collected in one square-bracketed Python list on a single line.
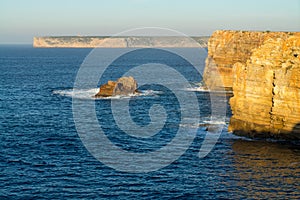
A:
[(225, 48), (266, 87), (123, 86), (118, 42)]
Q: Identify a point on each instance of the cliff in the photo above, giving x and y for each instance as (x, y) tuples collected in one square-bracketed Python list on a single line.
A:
[(225, 48), (118, 42), (265, 82)]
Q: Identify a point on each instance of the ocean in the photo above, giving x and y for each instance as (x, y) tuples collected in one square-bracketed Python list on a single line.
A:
[(44, 153)]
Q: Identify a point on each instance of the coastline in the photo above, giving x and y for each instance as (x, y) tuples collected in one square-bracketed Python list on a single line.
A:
[(120, 42)]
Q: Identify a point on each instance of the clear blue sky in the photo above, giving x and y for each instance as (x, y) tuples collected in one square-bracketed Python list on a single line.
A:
[(20, 20)]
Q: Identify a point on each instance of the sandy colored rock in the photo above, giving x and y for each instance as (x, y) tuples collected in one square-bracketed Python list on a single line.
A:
[(123, 86), (106, 90), (266, 101), (225, 48)]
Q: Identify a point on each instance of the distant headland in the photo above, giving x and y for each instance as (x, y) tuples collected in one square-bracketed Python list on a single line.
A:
[(119, 41)]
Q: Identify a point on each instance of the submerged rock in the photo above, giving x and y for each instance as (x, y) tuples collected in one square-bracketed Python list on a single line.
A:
[(123, 86)]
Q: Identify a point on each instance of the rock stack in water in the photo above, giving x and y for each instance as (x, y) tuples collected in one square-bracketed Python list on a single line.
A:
[(266, 101), (123, 86)]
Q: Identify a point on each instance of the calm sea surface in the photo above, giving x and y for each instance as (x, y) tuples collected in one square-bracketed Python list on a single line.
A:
[(42, 156)]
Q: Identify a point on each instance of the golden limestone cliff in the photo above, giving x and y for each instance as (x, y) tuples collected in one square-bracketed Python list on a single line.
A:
[(225, 48), (266, 87)]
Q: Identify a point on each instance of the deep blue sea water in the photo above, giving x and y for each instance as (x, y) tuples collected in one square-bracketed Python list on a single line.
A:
[(42, 155)]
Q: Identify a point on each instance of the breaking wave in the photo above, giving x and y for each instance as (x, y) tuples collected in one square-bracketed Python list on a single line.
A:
[(198, 89), (90, 93)]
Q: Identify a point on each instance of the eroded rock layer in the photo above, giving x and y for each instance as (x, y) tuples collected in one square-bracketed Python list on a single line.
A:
[(266, 88), (225, 48)]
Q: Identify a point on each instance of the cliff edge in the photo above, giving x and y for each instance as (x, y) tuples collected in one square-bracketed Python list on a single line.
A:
[(225, 48), (263, 70), (266, 101)]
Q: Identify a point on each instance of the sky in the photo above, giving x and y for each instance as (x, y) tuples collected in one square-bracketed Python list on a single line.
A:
[(21, 20)]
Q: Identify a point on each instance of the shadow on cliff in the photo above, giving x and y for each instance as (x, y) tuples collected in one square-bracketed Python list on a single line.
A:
[(296, 131), (288, 136)]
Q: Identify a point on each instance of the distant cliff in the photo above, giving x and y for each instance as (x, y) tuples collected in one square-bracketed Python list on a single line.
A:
[(118, 42), (225, 48)]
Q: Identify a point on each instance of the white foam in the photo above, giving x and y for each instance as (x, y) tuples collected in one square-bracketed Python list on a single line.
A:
[(205, 89), (206, 123), (214, 122), (198, 89), (90, 93), (77, 93)]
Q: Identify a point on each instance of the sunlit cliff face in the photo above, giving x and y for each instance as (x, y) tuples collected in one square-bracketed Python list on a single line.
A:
[(225, 48), (266, 101), (291, 51)]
